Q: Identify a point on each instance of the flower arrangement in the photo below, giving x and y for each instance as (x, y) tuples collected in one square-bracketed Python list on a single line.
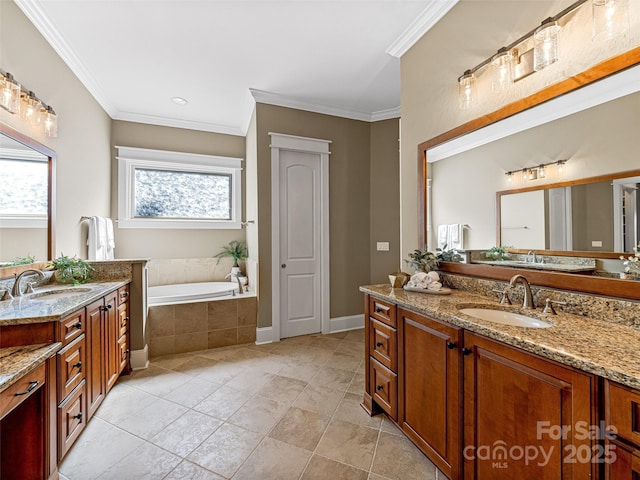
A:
[(422, 260), (632, 264)]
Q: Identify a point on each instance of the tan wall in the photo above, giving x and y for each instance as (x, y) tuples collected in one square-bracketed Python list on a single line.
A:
[(348, 202), (385, 198), (82, 146), (429, 72), (168, 243)]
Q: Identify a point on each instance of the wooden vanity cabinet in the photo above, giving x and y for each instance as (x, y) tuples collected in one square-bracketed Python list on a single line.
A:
[(381, 391), (430, 388), (516, 399), (622, 441)]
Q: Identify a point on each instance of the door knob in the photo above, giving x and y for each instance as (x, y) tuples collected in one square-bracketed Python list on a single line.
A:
[(284, 265)]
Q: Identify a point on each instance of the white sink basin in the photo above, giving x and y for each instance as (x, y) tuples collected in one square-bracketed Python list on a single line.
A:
[(58, 293), (505, 318)]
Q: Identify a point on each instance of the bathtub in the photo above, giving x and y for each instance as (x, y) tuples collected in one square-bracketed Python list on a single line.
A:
[(190, 293)]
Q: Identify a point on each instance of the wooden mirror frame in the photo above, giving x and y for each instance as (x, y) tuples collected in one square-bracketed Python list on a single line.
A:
[(51, 196), (588, 284)]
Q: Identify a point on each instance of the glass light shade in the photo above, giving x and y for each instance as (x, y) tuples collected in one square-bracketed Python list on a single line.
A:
[(466, 91), (50, 122), (9, 94), (501, 71), (545, 48), (30, 109), (610, 19)]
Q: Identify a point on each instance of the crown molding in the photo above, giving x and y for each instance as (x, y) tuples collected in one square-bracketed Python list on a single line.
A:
[(270, 98), (178, 123), (421, 25), (610, 88), (34, 13)]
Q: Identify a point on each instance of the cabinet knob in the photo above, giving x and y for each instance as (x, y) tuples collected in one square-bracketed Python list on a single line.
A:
[(379, 387), (451, 345), (126, 319), (126, 351), (379, 310), (78, 325), (378, 344), (78, 416), (466, 351), (125, 294), (77, 365)]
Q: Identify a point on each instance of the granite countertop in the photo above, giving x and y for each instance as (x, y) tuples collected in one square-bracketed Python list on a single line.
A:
[(556, 267), (606, 349), (16, 362), (39, 307)]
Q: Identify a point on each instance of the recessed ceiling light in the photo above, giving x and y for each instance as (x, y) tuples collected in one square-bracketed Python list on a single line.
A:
[(180, 101)]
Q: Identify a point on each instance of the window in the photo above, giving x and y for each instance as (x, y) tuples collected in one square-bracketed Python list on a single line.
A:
[(24, 189), (160, 189)]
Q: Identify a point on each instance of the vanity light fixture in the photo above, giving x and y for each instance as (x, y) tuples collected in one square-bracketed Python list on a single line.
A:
[(533, 173), (18, 100), (508, 65)]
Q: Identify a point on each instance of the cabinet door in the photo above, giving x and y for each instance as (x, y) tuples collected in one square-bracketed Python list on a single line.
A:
[(624, 466), (524, 416), (95, 354), (112, 348), (430, 378)]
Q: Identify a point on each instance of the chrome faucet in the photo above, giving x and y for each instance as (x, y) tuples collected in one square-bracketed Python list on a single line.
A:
[(15, 291), (531, 257), (527, 302)]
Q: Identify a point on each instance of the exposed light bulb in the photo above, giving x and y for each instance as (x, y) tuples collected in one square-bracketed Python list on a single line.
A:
[(466, 90), (545, 50), (501, 71)]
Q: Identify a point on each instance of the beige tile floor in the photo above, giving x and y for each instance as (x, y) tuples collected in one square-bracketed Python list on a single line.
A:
[(289, 410)]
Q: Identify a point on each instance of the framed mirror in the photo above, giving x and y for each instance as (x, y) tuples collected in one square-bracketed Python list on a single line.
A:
[(27, 210), (584, 283), (591, 216)]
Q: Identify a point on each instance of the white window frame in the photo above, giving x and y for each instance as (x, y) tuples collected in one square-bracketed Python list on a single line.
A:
[(130, 158)]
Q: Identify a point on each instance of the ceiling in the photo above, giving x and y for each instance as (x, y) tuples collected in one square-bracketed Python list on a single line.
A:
[(338, 57)]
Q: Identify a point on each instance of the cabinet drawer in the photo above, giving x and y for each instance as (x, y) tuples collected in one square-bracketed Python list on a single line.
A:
[(383, 343), (383, 311), (21, 390), (622, 411), (71, 327), (71, 362), (384, 388), (123, 319), (123, 349), (71, 419), (123, 294)]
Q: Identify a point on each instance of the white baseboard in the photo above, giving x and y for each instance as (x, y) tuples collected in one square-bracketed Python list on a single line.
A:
[(140, 358), (342, 324), (264, 335)]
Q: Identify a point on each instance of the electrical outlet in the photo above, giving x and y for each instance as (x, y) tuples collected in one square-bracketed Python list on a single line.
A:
[(382, 246), (596, 243)]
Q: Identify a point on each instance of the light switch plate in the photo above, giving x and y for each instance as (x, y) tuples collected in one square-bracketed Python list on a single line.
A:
[(382, 246), (596, 243)]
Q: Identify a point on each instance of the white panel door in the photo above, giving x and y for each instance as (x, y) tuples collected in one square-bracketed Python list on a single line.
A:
[(300, 237)]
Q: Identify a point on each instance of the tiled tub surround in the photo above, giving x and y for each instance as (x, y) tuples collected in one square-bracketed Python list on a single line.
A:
[(191, 327), (586, 341)]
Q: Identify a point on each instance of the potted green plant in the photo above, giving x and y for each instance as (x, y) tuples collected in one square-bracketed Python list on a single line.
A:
[(71, 269), (498, 253), (444, 255), (422, 260), (236, 250)]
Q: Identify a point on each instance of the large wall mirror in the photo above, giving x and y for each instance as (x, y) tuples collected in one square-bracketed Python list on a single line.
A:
[(597, 215), (575, 240), (27, 206)]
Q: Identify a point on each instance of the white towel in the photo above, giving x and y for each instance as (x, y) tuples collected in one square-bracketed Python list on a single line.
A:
[(100, 239)]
